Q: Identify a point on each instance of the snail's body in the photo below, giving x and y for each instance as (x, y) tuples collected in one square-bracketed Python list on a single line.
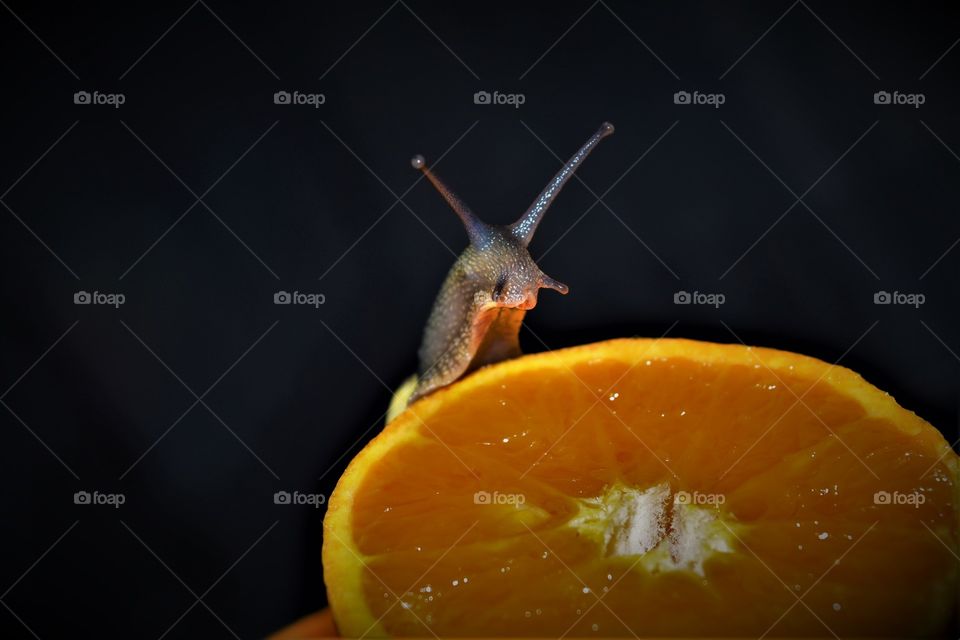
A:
[(474, 321), (477, 315)]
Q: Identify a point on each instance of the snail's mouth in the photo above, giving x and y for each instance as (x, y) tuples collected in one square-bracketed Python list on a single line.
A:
[(523, 304), (529, 303)]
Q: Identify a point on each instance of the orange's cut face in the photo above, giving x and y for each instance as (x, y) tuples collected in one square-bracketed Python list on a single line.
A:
[(650, 488)]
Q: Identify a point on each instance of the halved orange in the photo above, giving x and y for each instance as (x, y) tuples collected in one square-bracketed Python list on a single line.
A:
[(648, 487)]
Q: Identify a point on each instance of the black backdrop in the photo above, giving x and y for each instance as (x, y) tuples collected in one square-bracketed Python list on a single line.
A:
[(198, 398)]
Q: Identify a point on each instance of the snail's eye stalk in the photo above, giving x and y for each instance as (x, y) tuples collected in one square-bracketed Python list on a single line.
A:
[(476, 229), (524, 228)]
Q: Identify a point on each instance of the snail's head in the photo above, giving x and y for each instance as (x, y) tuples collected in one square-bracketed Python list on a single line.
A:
[(504, 272), (497, 261)]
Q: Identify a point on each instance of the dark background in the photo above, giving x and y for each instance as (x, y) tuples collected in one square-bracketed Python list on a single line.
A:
[(103, 399)]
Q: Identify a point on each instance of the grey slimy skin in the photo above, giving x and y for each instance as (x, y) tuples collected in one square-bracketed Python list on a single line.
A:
[(476, 317)]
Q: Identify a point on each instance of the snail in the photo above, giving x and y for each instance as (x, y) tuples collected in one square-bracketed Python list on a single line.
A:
[(476, 317)]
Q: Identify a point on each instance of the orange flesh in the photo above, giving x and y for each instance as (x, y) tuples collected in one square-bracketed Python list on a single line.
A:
[(594, 443)]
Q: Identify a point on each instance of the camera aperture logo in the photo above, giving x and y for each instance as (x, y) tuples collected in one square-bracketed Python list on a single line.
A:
[(97, 98), (297, 98), (497, 98), (913, 499), (315, 500), (114, 500), (897, 297), (98, 297), (309, 299), (699, 499), (711, 299), (696, 98), (486, 497), (909, 99)]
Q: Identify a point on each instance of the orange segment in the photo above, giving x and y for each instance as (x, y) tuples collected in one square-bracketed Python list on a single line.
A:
[(648, 487)]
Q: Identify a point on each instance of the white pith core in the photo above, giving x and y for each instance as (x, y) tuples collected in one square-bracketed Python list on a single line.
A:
[(628, 521)]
